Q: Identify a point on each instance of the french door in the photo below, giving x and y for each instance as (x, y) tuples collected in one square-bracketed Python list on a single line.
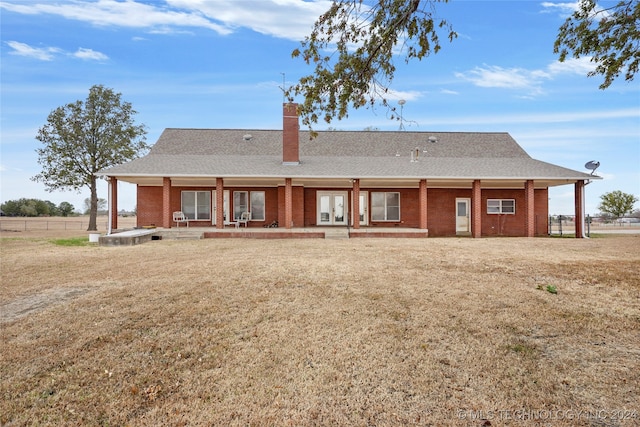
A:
[(332, 208)]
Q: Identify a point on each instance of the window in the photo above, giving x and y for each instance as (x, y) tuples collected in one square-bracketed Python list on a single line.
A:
[(245, 201), (501, 206), (385, 206), (196, 205)]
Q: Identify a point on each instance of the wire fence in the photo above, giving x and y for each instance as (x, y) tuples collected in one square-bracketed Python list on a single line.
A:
[(59, 223), (28, 225), (565, 224)]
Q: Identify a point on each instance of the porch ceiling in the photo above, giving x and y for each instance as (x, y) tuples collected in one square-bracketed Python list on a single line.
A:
[(156, 181)]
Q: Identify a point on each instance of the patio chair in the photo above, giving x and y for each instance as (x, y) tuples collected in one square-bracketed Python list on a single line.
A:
[(245, 217), (179, 217)]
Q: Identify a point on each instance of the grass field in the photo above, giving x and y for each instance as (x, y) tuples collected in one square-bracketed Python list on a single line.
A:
[(361, 332)]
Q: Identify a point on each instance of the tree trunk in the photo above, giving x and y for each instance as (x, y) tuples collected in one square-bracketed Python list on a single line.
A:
[(93, 212)]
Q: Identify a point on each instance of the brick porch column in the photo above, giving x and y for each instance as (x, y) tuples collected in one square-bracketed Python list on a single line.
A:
[(166, 202), (476, 209), (356, 203), (288, 203), (530, 215), (422, 198), (579, 205), (220, 203), (113, 183)]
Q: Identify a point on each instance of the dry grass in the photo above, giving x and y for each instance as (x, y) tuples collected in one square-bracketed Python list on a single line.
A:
[(360, 332)]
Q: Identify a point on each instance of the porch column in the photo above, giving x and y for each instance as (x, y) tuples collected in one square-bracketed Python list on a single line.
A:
[(476, 209), (579, 205), (530, 215), (219, 213), (166, 202), (422, 199), (288, 203), (356, 203), (113, 186)]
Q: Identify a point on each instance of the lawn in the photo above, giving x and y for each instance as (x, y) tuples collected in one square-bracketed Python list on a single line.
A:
[(360, 332)]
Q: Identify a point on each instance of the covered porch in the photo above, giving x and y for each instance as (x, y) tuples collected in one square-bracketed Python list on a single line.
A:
[(295, 210)]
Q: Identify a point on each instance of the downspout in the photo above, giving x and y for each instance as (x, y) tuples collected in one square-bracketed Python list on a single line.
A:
[(110, 201), (584, 202)]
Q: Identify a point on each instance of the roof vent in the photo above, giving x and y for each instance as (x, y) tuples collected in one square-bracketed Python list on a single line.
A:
[(433, 139), (247, 137)]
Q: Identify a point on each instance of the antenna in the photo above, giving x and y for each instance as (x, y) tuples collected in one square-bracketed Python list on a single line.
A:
[(284, 89), (592, 166), (401, 103)]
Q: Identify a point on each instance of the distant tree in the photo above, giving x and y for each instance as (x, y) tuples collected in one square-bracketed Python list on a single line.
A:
[(82, 138), (65, 209), (609, 36), (29, 207), (101, 205), (617, 203)]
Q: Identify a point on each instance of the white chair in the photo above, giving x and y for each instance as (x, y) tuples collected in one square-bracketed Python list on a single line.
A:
[(245, 217), (179, 217)]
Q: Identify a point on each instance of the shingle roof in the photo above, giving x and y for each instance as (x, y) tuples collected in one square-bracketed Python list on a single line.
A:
[(337, 154)]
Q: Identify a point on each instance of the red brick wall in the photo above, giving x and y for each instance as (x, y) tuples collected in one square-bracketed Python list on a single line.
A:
[(440, 208), (298, 202), (149, 206)]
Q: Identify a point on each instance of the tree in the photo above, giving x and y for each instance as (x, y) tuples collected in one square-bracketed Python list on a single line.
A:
[(366, 39), (29, 207), (617, 203), (82, 138), (65, 209), (101, 205), (609, 36), (366, 36)]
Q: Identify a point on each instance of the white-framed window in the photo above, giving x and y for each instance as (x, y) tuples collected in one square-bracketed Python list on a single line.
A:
[(501, 206), (245, 201), (385, 206), (196, 205)]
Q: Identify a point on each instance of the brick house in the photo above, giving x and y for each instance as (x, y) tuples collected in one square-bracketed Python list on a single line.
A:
[(426, 183)]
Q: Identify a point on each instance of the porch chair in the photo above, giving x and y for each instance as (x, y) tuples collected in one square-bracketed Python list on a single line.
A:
[(179, 217), (245, 217)]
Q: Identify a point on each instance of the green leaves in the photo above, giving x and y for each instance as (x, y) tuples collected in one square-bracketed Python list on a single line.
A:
[(81, 138), (361, 41), (611, 37), (617, 203)]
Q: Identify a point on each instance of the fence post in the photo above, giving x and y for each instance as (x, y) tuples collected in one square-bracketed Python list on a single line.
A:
[(560, 224)]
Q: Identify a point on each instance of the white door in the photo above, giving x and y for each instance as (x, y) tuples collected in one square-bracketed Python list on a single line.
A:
[(332, 208), (463, 222), (225, 207), (364, 208)]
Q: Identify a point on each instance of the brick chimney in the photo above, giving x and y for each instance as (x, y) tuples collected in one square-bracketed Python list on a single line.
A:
[(290, 135)]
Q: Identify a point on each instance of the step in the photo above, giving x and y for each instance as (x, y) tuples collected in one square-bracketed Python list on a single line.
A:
[(336, 233)]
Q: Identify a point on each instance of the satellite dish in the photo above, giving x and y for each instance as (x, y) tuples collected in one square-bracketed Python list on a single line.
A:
[(592, 166)]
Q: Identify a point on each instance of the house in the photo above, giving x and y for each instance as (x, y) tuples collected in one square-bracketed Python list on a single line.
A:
[(436, 183)]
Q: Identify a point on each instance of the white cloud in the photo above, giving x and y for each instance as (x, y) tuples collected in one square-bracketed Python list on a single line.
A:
[(564, 9), (289, 19), (90, 54), (23, 49), (580, 66), (49, 53), (529, 81), (509, 78)]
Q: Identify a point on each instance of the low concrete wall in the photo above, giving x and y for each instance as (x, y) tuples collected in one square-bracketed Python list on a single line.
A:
[(129, 238)]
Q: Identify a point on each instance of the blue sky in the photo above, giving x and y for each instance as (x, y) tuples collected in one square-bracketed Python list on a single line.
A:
[(221, 64)]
